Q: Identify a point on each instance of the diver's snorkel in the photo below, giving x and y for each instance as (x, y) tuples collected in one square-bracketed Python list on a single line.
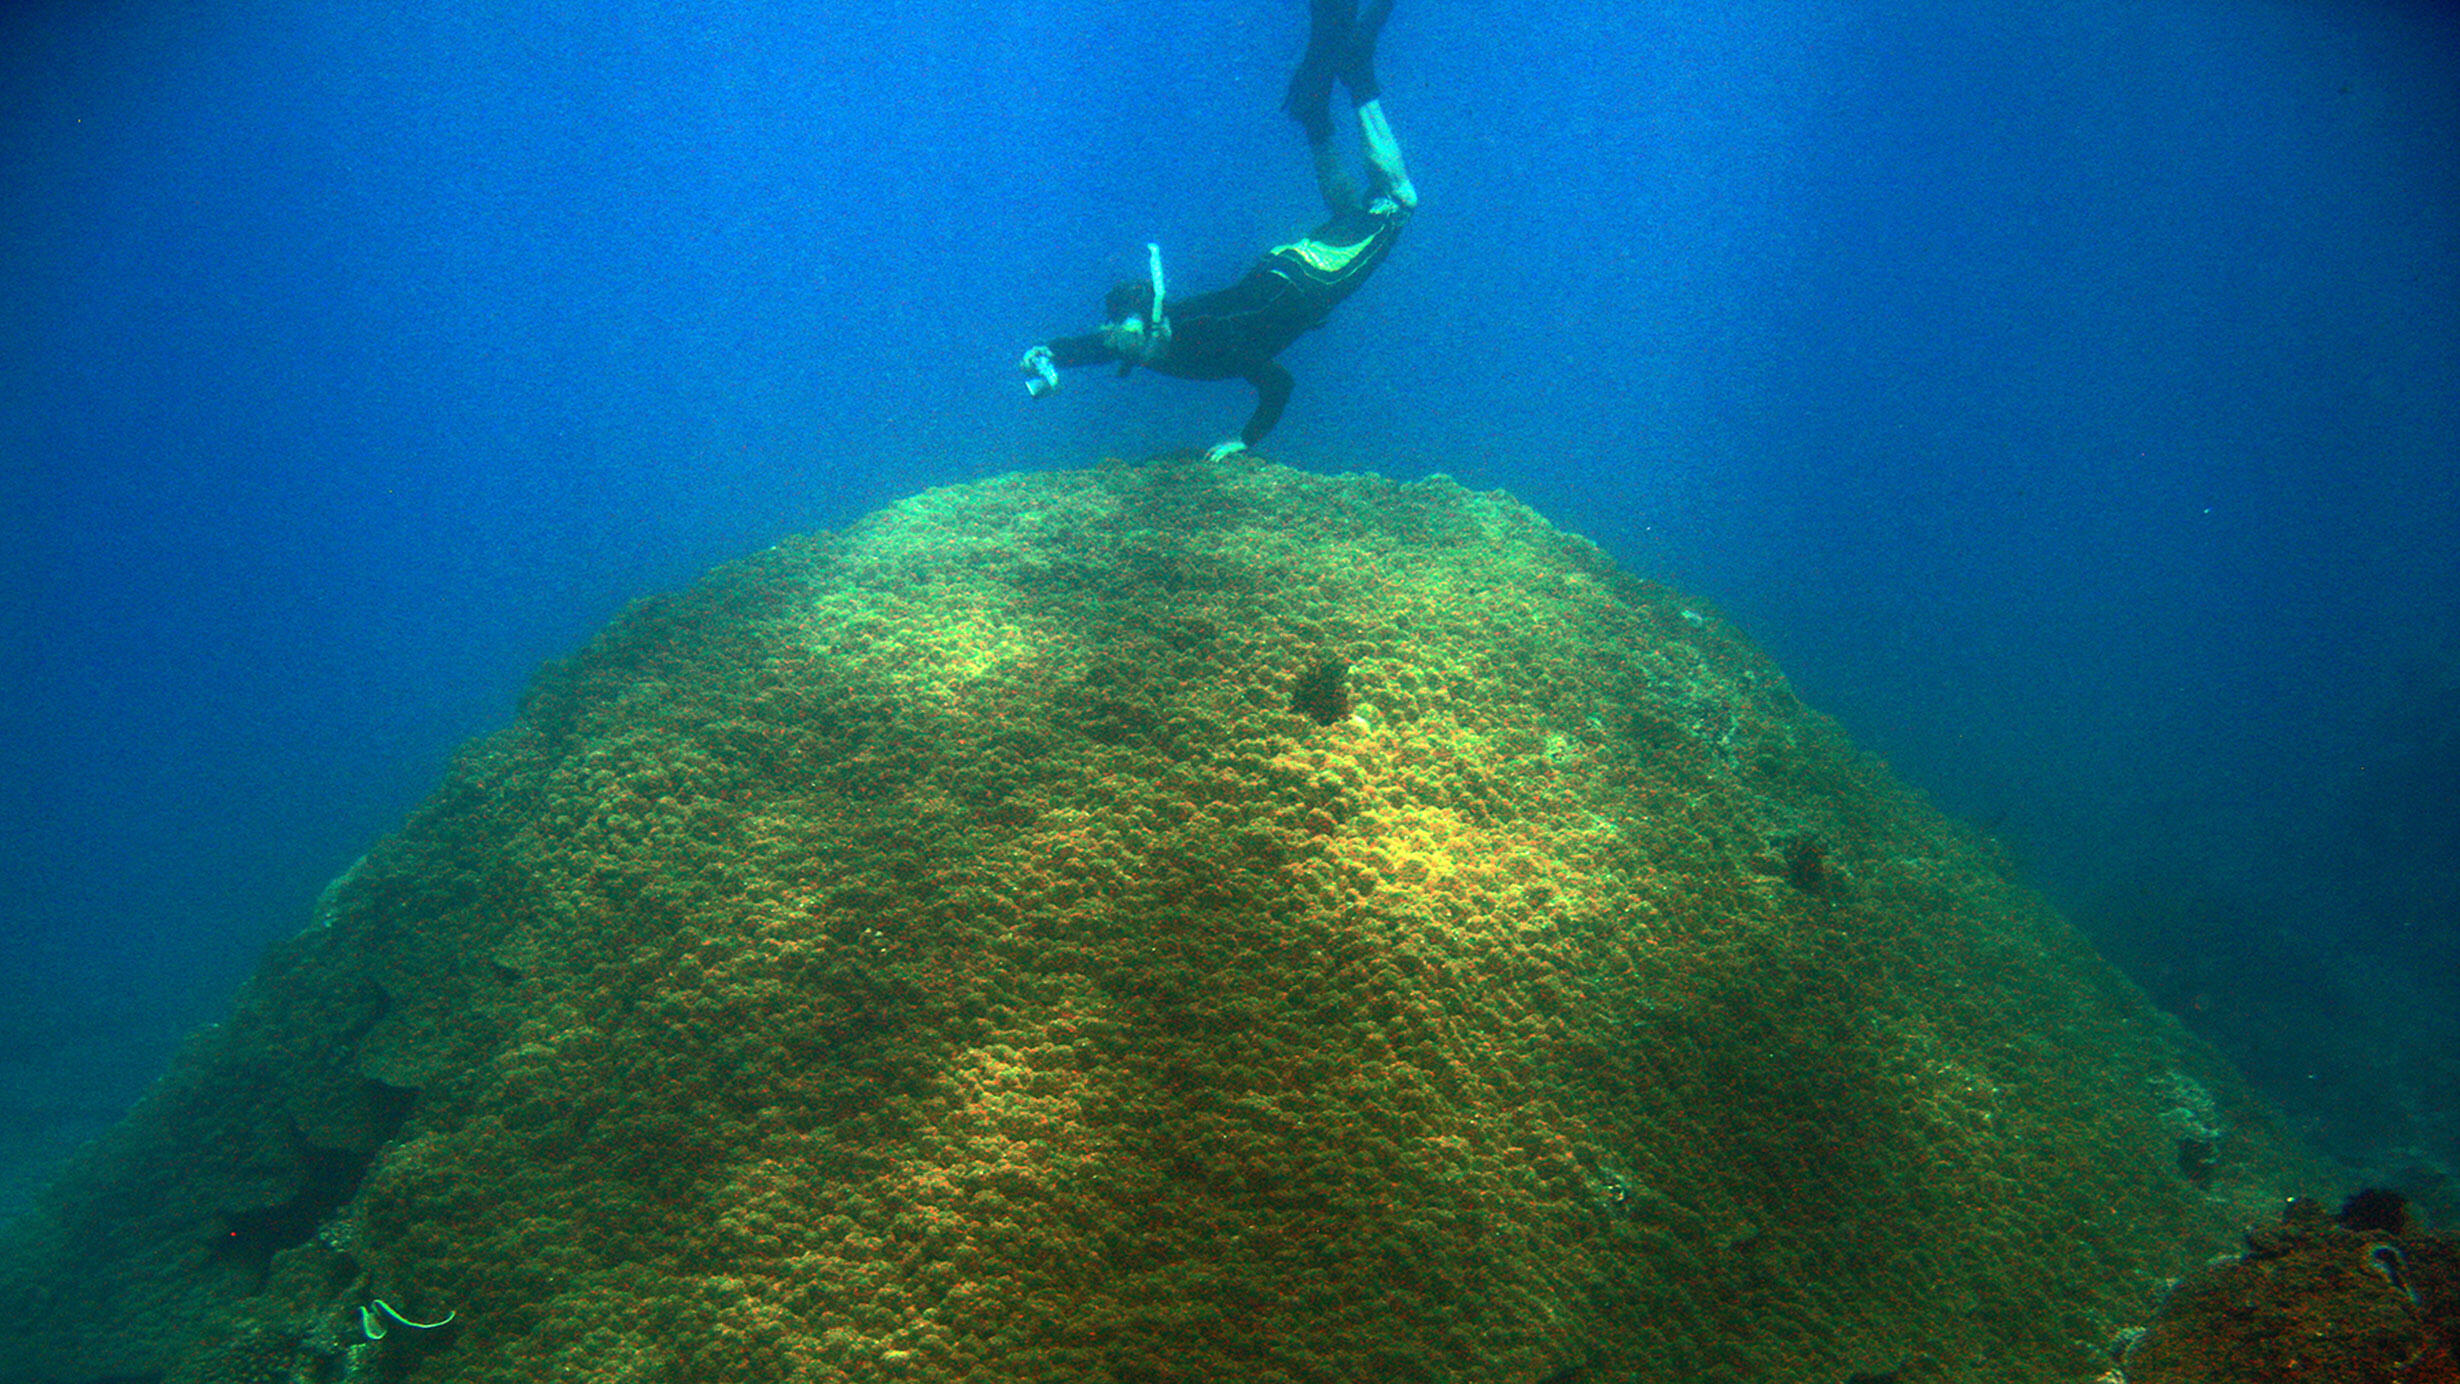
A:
[(1136, 342), (1153, 266)]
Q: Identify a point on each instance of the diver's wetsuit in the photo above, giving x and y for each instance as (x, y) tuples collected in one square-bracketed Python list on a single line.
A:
[(1233, 333)]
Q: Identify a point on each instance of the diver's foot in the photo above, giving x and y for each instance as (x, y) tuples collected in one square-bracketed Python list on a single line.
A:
[(1330, 25)]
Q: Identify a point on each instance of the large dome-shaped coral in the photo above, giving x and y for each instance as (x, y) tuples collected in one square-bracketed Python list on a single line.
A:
[(1185, 922)]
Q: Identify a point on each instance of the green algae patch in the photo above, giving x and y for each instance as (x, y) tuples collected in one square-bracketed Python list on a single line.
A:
[(1189, 922)]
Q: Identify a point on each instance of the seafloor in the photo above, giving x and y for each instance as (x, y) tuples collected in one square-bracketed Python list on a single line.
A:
[(1162, 923)]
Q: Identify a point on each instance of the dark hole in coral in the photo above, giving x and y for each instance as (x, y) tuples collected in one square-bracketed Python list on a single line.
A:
[(2375, 1210), (327, 1178), (1806, 864), (2198, 1160), (1322, 694), (1108, 721)]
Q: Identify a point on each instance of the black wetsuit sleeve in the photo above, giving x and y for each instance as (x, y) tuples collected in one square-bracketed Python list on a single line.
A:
[(1273, 385), (1089, 349)]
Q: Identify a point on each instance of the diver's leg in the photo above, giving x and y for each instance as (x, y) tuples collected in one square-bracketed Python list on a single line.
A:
[(1332, 178), (1384, 154)]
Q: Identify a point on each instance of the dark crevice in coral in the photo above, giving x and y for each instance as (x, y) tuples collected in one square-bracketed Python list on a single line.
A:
[(1321, 694), (1806, 864), (376, 1002), (328, 1179), (2199, 1159), (2377, 1210), (388, 1107)]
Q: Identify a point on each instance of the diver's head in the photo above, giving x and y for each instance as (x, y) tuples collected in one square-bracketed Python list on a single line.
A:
[(1132, 331), (1128, 298)]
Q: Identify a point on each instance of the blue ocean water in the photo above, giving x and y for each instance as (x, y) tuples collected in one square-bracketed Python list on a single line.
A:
[(2068, 397)]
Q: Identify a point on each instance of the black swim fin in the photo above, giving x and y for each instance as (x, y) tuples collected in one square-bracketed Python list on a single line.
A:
[(1330, 24), (1358, 58)]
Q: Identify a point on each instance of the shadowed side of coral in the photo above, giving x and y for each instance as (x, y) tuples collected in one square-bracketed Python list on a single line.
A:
[(1193, 922)]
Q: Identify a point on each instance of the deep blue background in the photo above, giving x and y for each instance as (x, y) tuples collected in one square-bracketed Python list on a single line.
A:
[(2067, 395)]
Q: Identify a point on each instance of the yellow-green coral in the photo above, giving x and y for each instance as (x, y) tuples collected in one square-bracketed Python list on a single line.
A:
[(1202, 922)]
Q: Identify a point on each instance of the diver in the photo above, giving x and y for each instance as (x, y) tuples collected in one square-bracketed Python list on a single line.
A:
[(1234, 333)]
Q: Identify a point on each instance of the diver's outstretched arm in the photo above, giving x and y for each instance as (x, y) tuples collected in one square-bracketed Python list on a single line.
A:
[(1273, 385)]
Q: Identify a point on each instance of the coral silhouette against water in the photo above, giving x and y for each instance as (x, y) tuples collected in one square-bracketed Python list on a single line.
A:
[(1171, 923)]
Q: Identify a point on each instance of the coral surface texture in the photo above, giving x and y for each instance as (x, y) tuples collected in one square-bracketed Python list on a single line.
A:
[(2313, 1302), (1179, 922)]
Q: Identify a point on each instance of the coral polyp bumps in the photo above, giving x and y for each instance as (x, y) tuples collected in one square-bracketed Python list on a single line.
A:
[(1180, 922)]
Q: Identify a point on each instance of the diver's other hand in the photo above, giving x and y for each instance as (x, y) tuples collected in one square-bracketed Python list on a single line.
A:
[(1230, 448), (1037, 363)]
